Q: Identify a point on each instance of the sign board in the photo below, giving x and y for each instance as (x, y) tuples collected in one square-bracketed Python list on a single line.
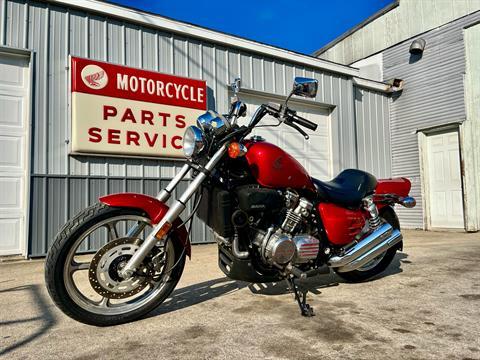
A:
[(126, 111)]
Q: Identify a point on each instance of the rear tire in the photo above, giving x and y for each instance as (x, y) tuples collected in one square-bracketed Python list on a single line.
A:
[(355, 276), (58, 255)]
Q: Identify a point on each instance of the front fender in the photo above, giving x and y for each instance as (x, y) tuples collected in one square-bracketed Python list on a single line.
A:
[(154, 208)]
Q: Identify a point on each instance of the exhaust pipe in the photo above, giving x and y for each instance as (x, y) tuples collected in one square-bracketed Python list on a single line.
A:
[(379, 241)]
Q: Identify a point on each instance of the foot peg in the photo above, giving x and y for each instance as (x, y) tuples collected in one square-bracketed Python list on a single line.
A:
[(310, 273)]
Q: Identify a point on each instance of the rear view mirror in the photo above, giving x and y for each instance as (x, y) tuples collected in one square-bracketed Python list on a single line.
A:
[(236, 85), (305, 87)]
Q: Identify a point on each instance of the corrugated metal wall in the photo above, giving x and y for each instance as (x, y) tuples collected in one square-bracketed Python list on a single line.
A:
[(62, 184), (372, 112), (433, 95), (410, 18)]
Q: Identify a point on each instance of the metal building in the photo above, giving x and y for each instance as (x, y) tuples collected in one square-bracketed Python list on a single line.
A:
[(42, 183), (434, 47)]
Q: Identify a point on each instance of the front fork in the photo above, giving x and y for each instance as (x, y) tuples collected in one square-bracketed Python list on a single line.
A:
[(161, 230)]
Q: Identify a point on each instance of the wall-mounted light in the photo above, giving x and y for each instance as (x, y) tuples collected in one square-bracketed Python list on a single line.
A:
[(396, 85), (417, 46)]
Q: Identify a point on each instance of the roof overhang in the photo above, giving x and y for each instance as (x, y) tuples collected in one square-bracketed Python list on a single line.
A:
[(190, 30)]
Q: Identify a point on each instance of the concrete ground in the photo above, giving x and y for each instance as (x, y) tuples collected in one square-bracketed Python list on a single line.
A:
[(426, 306)]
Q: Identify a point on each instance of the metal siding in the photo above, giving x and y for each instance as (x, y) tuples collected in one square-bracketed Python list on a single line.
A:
[(257, 73), (194, 59), (180, 56), (280, 78), (57, 147), (269, 75), (234, 70), (410, 18), (132, 44), (38, 41), (3, 21), (221, 80), (55, 32), (149, 49), (470, 131), (97, 38), (15, 29), (433, 95), (165, 52), (115, 41), (373, 132), (208, 73)]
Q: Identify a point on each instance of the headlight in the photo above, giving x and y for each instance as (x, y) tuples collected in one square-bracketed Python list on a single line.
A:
[(213, 122), (193, 141)]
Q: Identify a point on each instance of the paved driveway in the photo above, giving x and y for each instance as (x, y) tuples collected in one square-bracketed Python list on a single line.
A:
[(427, 306)]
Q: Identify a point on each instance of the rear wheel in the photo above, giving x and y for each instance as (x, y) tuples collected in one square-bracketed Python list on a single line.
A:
[(381, 262), (88, 288)]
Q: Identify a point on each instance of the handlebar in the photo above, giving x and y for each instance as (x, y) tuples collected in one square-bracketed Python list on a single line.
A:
[(301, 121), (288, 116), (304, 122)]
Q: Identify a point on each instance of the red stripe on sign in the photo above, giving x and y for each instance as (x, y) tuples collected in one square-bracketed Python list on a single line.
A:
[(105, 79)]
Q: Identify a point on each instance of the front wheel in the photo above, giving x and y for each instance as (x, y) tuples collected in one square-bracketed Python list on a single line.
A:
[(88, 288), (381, 262)]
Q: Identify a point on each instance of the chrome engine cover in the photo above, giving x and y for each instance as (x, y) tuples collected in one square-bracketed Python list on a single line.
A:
[(279, 249), (307, 248)]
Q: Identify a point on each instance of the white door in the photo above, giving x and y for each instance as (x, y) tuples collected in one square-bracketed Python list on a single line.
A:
[(314, 154), (14, 100), (444, 181)]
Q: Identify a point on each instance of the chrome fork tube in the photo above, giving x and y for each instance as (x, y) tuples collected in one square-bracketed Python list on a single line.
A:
[(172, 214), (163, 196)]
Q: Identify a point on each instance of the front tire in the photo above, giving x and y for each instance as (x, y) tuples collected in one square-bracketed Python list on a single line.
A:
[(367, 272), (59, 276)]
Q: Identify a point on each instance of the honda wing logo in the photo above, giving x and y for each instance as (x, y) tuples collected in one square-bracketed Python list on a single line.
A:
[(94, 77)]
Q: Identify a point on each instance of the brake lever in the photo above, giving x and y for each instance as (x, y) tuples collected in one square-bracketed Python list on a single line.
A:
[(296, 127)]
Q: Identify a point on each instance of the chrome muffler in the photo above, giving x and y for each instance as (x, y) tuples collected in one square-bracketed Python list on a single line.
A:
[(379, 241)]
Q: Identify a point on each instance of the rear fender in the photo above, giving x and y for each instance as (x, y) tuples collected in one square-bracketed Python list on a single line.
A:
[(396, 187), (155, 210)]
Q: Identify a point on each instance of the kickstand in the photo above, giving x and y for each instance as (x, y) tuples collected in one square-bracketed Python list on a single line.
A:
[(305, 308)]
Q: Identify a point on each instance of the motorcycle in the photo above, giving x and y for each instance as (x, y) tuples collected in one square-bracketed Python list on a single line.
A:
[(271, 220)]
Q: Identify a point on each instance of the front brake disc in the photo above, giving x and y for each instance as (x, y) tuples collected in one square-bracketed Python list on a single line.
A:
[(103, 273)]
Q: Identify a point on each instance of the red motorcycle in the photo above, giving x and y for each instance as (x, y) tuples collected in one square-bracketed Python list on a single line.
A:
[(271, 220)]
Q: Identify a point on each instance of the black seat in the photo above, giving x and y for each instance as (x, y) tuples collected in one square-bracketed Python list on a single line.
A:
[(347, 189)]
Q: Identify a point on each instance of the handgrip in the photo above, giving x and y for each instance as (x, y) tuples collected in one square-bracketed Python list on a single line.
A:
[(304, 122)]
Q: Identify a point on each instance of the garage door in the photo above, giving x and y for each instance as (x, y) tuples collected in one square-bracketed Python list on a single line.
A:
[(314, 154), (445, 184), (13, 141)]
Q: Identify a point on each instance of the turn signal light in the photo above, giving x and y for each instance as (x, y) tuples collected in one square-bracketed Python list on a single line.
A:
[(163, 231), (236, 149)]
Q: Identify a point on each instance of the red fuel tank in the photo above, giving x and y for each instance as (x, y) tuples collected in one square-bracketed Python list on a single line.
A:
[(274, 168)]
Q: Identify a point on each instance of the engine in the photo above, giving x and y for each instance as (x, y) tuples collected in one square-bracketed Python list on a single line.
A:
[(285, 243), (275, 225)]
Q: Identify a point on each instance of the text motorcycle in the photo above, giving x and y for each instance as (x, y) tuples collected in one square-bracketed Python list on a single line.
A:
[(271, 220)]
